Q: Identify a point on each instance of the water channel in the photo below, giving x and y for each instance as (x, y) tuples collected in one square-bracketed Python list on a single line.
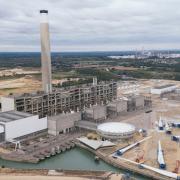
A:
[(74, 159)]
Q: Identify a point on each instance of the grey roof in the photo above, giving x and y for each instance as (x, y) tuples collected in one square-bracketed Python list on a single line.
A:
[(164, 86), (13, 115), (95, 144)]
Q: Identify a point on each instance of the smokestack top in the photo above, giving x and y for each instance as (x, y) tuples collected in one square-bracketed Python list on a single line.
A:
[(44, 11), (44, 16)]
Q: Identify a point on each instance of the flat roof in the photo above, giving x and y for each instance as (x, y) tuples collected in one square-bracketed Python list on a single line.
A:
[(95, 144), (12, 116), (164, 86), (116, 128)]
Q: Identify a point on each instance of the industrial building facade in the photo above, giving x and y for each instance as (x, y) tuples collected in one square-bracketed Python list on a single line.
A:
[(61, 100), (63, 123), (163, 89), (14, 124)]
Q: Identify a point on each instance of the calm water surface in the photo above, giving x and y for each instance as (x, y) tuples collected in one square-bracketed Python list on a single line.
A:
[(74, 159)]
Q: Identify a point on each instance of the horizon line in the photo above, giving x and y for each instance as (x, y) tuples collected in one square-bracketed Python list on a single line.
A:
[(99, 51)]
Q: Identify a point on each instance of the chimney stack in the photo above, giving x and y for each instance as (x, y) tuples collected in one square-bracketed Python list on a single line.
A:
[(94, 81), (45, 52)]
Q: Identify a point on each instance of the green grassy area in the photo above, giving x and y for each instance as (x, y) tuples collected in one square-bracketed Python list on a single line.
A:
[(65, 74), (101, 75), (149, 74)]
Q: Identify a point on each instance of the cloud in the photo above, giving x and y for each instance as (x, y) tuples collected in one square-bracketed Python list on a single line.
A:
[(87, 25)]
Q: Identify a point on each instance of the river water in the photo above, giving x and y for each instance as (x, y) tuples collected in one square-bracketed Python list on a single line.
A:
[(74, 159)]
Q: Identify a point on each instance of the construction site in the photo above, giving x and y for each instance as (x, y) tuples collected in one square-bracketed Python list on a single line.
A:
[(154, 149), (131, 125)]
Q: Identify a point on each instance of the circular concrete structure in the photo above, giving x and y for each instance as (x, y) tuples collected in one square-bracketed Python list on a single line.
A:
[(116, 130)]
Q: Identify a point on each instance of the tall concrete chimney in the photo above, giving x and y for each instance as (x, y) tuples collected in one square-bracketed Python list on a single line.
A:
[(45, 52)]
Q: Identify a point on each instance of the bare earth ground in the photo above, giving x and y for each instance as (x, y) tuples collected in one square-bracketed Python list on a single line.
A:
[(125, 68), (24, 80), (6, 177), (169, 110), (15, 174), (15, 71), (19, 80), (19, 85)]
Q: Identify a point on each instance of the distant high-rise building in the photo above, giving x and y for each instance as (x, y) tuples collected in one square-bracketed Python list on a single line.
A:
[(45, 52)]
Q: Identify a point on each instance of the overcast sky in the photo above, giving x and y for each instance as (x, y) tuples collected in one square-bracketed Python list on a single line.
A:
[(91, 25)]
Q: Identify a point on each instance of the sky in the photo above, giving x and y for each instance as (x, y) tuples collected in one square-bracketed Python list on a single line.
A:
[(91, 25)]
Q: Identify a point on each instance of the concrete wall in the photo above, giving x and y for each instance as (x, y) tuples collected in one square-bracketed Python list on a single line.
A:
[(121, 106), (62, 122), (139, 101), (100, 112), (118, 107), (1, 129), (96, 113), (163, 90), (52, 127), (7, 104), (22, 127)]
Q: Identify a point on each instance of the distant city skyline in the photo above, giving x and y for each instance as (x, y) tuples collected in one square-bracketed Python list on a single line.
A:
[(91, 25)]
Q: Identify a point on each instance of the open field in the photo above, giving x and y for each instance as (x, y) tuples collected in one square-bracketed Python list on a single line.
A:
[(123, 68), (19, 85), (18, 71), (28, 80)]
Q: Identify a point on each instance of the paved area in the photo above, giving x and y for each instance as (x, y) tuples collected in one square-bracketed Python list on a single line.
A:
[(41, 148)]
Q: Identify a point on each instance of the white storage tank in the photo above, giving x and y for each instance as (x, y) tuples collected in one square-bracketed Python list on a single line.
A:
[(116, 130)]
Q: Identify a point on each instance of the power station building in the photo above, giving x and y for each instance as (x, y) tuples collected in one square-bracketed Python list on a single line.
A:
[(97, 113), (135, 102), (61, 100), (15, 124), (50, 102), (63, 123), (117, 107)]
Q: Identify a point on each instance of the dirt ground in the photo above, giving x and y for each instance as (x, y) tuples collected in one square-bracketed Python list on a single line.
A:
[(6, 177), (26, 80), (169, 110), (19, 85), (142, 86), (125, 68), (18, 71)]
